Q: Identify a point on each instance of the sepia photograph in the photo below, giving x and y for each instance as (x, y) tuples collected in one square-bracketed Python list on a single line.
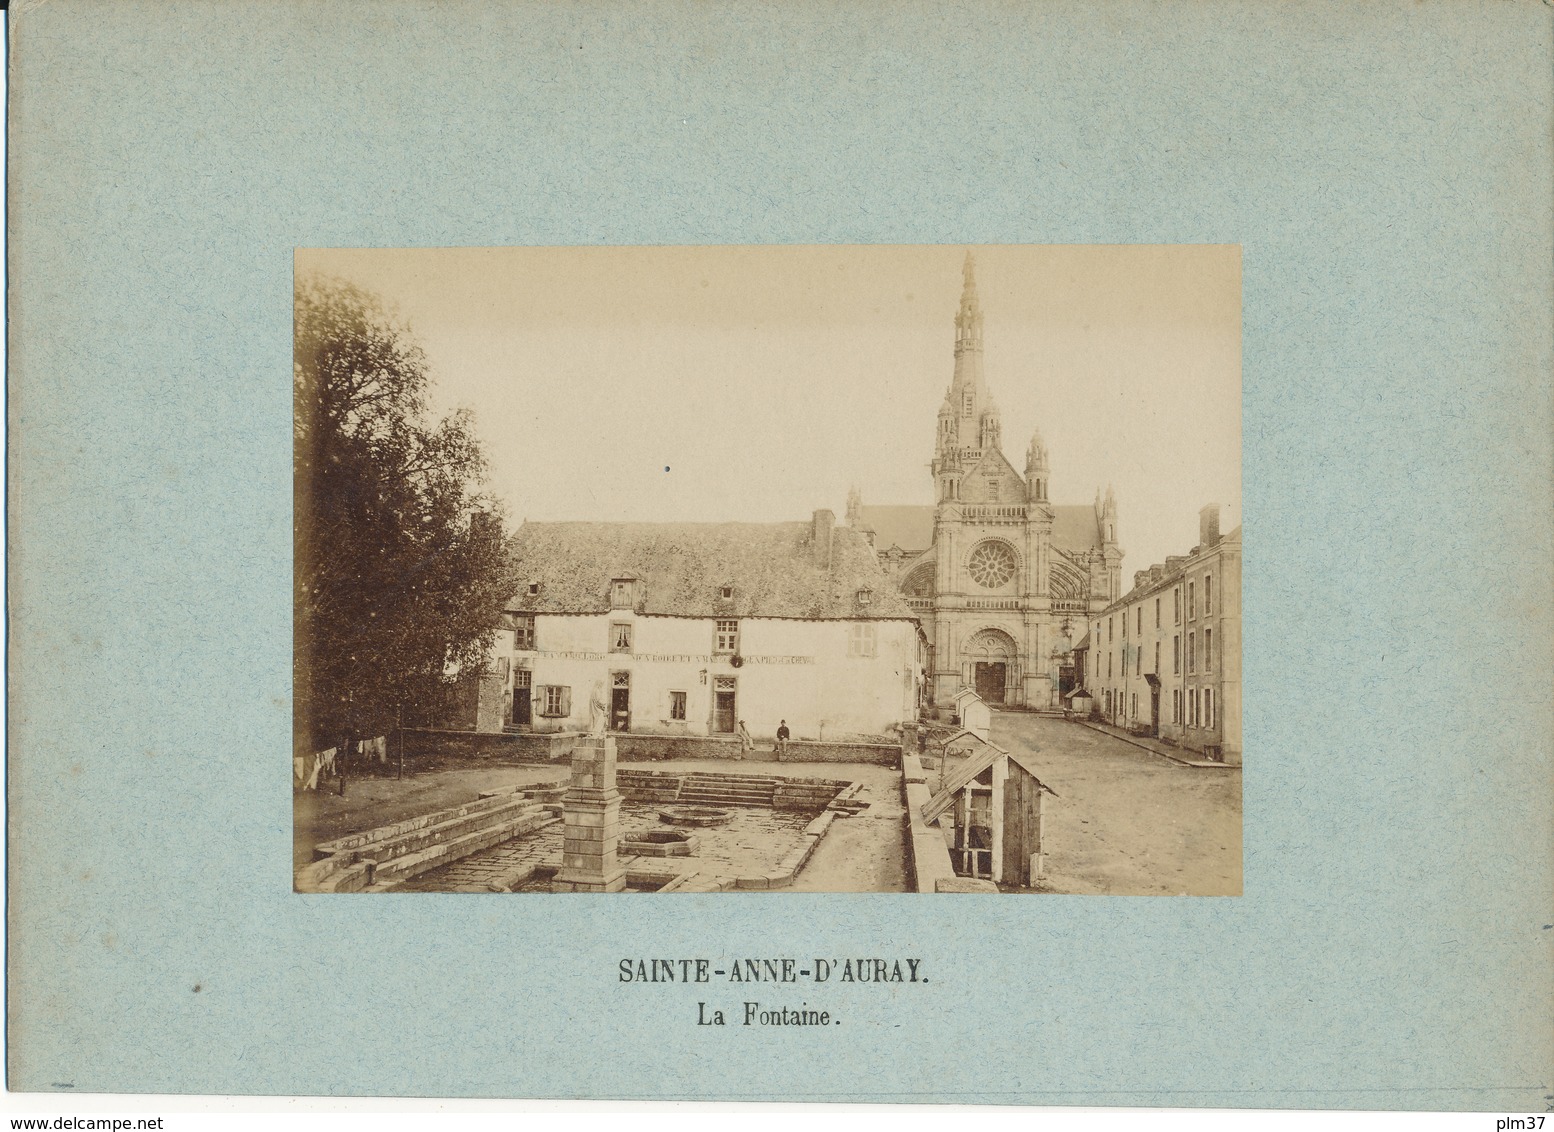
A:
[(750, 569), (800, 458)]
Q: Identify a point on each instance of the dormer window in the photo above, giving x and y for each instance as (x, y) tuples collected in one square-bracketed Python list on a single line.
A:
[(534, 588), (865, 597), (623, 593), (726, 593)]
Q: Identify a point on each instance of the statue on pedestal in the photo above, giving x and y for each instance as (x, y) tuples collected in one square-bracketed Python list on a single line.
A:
[(598, 709)]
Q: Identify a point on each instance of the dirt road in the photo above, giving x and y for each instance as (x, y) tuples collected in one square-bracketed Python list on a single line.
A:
[(1128, 822)]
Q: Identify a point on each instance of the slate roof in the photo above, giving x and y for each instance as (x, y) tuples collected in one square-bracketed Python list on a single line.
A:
[(1074, 527), (1168, 578), (682, 568), (909, 527), (968, 770)]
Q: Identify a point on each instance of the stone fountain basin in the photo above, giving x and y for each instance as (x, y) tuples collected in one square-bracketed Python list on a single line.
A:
[(702, 816), (659, 843)]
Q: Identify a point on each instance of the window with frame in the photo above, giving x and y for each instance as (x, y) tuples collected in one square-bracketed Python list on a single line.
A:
[(1192, 605), (1157, 658), (523, 632), (1192, 652), (1176, 705), (1208, 594), (622, 595), (1176, 655), (1125, 651), (726, 637), (555, 700), (1208, 648), (1108, 666), (1208, 707), (861, 639), (1111, 628), (677, 705), (992, 491), (1157, 613), (620, 636), (1176, 605), (1138, 620), (971, 401)]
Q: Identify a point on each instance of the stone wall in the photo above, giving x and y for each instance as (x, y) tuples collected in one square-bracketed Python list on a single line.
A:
[(648, 747), (813, 751), (424, 743), (928, 857), (529, 747), (630, 745), (805, 794)]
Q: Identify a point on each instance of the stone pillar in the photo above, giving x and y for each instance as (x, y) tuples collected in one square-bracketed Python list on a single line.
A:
[(591, 810)]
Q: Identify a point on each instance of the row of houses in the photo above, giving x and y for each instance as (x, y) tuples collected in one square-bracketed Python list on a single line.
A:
[(1165, 658)]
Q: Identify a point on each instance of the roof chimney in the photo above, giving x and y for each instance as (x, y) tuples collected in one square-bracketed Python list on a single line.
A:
[(1208, 525), (820, 537), (1140, 579)]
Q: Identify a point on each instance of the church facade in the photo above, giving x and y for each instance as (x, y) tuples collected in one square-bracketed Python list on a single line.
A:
[(1003, 580)]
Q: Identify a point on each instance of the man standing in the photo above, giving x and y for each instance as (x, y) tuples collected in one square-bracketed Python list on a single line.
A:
[(745, 742), (782, 738)]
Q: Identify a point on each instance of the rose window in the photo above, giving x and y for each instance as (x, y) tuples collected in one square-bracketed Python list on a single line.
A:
[(991, 565)]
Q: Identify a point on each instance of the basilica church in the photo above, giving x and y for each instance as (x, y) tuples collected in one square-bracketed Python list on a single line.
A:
[(1002, 579)]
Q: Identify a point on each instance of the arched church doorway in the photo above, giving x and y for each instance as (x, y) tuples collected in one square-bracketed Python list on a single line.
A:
[(991, 654)]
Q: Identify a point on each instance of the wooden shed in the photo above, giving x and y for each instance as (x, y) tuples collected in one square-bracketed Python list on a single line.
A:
[(1077, 704), (973, 713), (995, 803)]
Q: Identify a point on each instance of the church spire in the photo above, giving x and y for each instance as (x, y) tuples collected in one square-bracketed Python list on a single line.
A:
[(968, 396), (968, 323), (969, 424)]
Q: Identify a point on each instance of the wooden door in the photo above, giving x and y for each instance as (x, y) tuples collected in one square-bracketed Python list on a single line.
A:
[(723, 713), (522, 704), (1011, 871), (1022, 827), (989, 681), (620, 702)]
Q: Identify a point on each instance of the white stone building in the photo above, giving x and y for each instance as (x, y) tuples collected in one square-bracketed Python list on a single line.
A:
[(689, 628)]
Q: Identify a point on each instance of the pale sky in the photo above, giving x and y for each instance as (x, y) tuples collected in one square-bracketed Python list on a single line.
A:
[(760, 383)]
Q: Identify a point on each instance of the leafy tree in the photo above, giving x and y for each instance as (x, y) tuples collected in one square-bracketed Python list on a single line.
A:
[(401, 570)]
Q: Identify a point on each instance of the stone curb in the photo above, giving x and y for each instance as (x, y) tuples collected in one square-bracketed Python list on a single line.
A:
[(1195, 764)]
